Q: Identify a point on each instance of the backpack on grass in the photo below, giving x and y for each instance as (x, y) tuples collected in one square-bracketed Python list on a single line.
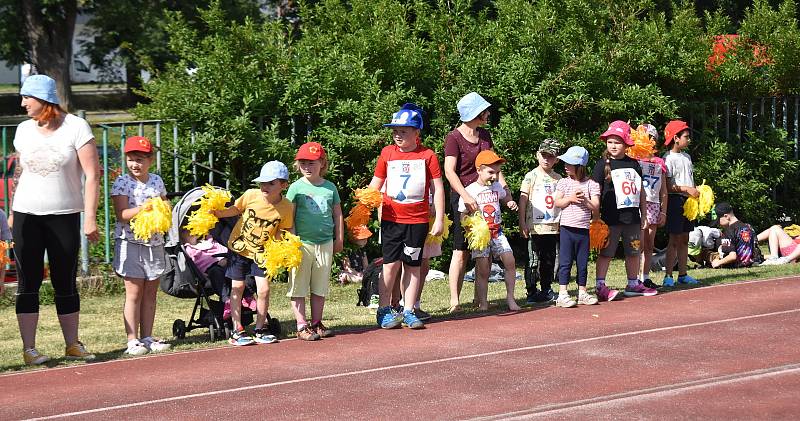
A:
[(369, 282)]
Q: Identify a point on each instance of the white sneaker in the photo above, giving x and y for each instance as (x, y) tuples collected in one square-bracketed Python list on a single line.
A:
[(155, 345), (136, 348), (776, 261), (374, 302)]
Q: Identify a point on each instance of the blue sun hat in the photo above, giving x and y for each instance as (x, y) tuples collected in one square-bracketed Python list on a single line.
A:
[(471, 105), (40, 87), (410, 115), (576, 155), (272, 170)]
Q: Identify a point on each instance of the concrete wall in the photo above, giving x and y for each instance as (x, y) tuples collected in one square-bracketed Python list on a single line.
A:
[(8, 75)]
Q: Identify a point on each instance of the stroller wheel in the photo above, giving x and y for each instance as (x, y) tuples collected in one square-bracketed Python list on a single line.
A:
[(228, 331), (179, 329), (213, 332), (274, 326)]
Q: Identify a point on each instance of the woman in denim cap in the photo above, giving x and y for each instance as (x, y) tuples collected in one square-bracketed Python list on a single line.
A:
[(461, 146), (55, 150)]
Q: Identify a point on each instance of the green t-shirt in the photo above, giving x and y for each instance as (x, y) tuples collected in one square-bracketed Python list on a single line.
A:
[(314, 210)]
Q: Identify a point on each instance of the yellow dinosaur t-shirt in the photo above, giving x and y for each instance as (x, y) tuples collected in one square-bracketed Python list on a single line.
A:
[(260, 220)]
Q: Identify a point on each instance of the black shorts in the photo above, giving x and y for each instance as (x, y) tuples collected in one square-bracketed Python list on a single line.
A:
[(676, 222), (403, 242), (456, 230), (239, 267)]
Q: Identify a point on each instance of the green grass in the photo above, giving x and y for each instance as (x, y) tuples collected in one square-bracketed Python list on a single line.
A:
[(103, 333)]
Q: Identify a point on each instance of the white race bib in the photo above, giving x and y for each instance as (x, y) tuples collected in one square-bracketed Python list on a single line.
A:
[(405, 180), (627, 183), (543, 208), (651, 181)]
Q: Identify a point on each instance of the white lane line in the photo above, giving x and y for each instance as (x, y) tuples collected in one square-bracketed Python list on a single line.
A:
[(414, 364), (217, 348), (636, 396)]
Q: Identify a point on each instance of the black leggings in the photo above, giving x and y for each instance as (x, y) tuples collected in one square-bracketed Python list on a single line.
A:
[(59, 235)]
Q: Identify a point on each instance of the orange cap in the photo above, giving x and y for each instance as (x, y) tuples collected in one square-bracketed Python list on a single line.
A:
[(673, 127), (487, 157)]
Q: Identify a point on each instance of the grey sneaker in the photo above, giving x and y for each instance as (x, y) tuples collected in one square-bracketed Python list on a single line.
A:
[(587, 299), (565, 301)]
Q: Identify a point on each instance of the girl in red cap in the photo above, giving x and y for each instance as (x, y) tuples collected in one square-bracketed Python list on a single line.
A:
[(680, 183)]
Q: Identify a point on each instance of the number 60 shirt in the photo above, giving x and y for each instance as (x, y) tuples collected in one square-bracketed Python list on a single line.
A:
[(620, 196), (407, 179)]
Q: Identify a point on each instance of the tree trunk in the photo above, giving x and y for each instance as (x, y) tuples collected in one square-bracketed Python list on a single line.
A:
[(49, 30)]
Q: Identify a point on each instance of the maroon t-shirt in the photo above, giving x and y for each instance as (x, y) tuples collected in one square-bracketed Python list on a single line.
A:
[(465, 152)]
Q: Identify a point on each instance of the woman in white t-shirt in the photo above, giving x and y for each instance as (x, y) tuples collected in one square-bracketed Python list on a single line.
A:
[(55, 149)]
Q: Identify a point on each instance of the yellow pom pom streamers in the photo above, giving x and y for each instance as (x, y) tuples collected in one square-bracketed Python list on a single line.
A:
[(369, 197), (437, 239), (598, 235), (202, 220), (155, 218), (477, 231), (694, 208), (691, 209), (793, 230), (279, 255), (643, 147)]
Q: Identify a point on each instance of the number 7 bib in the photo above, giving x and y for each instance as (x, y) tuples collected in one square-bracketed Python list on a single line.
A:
[(627, 184), (405, 180)]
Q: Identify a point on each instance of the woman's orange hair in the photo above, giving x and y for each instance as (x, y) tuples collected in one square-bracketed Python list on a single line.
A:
[(49, 111)]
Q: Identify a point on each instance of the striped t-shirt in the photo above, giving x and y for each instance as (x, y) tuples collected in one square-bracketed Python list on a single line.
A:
[(577, 216)]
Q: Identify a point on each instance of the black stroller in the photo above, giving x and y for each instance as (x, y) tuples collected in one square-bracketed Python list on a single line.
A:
[(185, 280)]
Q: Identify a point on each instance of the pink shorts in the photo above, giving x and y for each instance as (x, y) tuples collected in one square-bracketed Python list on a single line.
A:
[(785, 251), (653, 209)]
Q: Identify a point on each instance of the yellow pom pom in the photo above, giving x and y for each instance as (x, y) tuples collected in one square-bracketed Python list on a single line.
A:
[(154, 218), (369, 197), (202, 220), (598, 235), (691, 209), (706, 199), (437, 239), (643, 147), (793, 230), (477, 231), (279, 255)]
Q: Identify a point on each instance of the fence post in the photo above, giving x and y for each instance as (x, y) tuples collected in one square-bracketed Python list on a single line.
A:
[(5, 167), (175, 161), (796, 106), (211, 165), (107, 239), (158, 147), (194, 156)]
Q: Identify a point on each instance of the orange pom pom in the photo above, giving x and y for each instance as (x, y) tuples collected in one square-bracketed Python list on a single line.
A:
[(359, 215), (598, 235), (369, 197), (643, 147)]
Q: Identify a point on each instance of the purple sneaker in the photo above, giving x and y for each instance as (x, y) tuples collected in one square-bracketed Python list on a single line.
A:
[(605, 293), (639, 290)]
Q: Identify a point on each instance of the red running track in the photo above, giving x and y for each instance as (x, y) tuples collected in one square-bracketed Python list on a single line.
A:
[(724, 352)]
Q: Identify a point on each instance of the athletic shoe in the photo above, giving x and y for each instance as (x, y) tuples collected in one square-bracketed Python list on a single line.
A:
[(639, 290), (374, 302), (650, 284), (410, 320), (155, 345), (321, 330), (240, 338), (262, 336), (686, 279), (388, 318), (605, 293), (307, 334), (587, 299), (136, 348), (541, 297), (565, 301), (77, 351), (668, 281), (776, 261), (422, 314), (250, 303), (226, 310), (33, 357)]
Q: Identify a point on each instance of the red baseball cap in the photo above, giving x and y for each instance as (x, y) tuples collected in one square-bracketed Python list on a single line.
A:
[(311, 151), (138, 144), (673, 127)]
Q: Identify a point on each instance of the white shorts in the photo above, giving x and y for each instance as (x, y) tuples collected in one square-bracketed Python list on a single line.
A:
[(496, 247), (139, 261)]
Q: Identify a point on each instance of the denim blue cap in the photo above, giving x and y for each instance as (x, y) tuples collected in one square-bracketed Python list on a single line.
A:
[(410, 115), (471, 105), (272, 170), (41, 87), (576, 155)]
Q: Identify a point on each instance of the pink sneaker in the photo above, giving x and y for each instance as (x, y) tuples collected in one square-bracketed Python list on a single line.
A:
[(639, 290), (605, 293), (226, 310), (250, 302)]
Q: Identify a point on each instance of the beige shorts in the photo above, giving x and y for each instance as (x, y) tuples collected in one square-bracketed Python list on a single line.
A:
[(314, 273)]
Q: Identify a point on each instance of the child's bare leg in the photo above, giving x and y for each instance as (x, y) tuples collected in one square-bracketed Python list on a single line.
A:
[(601, 267), (482, 282), (299, 311), (390, 272), (410, 297), (262, 301), (131, 312), (632, 266), (147, 311), (424, 268), (510, 274), (455, 276), (683, 253), (672, 252), (317, 307), (237, 290), (648, 243)]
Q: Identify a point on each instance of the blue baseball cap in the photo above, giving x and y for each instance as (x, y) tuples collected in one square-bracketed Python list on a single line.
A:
[(410, 115), (576, 155), (471, 105), (41, 87), (272, 170)]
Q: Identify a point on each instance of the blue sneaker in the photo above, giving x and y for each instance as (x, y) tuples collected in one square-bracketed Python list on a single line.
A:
[(686, 279), (388, 318), (411, 320), (668, 281), (262, 336), (240, 338)]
